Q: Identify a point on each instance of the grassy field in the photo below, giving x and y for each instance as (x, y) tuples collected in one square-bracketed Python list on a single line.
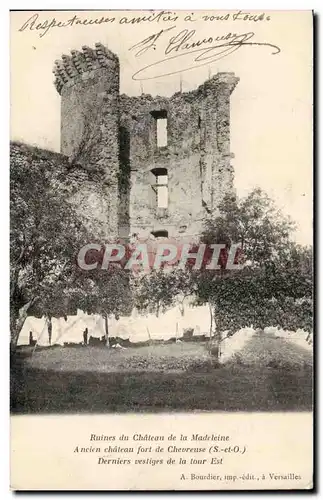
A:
[(172, 357), (269, 374)]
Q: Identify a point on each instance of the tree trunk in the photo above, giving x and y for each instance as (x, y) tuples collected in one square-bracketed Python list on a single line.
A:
[(211, 320), (17, 320), (49, 329), (106, 327), (14, 315), (215, 337), (218, 338)]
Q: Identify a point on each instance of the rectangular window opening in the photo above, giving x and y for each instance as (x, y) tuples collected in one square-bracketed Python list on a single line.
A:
[(160, 187), (160, 117), (162, 191), (161, 132)]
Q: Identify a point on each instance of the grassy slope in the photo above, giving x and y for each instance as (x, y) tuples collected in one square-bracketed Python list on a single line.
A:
[(94, 380)]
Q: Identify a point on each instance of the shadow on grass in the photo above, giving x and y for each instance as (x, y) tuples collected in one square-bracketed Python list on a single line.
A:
[(229, 388)]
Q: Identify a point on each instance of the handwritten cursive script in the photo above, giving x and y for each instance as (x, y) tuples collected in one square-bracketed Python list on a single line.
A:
[(191, 52), (44, 26)]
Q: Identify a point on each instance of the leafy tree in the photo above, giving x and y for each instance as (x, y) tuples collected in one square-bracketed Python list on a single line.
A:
[(274, 286), (160, 289), (273, 296), (104, 292), (45, 235), (254, 223)]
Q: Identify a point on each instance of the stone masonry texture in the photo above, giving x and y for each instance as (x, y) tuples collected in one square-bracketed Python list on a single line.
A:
[(110, 152)]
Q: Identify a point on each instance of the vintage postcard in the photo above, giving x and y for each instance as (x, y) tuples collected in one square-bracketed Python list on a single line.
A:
[(161, 294)]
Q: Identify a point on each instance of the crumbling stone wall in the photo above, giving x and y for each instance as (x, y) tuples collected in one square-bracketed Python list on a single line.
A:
[(180, 157), (115, 137), (83, 190), (197, 156)]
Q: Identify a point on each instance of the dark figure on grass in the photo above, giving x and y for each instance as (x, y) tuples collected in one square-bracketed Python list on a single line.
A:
[(85, 336)]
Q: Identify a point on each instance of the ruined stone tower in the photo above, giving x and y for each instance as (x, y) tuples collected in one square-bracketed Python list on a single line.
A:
[(88, 83), (164, 162)]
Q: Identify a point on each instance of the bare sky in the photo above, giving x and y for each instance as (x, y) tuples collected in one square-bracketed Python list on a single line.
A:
[(271, 108)]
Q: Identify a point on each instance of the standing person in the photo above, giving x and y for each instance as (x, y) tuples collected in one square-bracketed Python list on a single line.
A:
[(31, 340), (85, 335)]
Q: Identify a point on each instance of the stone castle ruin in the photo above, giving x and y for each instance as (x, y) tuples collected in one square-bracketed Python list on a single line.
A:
[(142, 165), (163, 163)]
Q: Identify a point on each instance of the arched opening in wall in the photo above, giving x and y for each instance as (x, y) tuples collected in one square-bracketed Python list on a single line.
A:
[(160, 187), (161, 127), (160, 234)]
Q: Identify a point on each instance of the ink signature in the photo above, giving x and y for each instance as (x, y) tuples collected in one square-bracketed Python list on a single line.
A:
[(191, 52)]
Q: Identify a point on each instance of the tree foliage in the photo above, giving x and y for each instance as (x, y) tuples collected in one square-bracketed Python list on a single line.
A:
[(255, 223), (45, 235), (104, 292), (160, 289), (274, 286)]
